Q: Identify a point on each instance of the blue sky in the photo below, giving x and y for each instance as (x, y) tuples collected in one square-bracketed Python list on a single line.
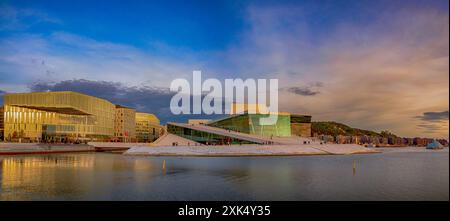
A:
[(198, 25), (195, 25), (394, 53)]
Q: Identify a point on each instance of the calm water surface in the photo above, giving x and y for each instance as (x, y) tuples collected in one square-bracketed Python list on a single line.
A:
[(103, 176)]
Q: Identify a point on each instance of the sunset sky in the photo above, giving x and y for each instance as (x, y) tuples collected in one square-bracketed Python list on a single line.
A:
[(369, 64)]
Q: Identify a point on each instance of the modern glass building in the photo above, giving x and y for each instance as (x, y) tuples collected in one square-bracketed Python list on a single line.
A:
[(223, 131), (209, 137), (57, 116), (250, 124)]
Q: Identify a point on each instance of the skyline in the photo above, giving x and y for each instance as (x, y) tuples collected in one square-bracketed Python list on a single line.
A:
[(395, 56)]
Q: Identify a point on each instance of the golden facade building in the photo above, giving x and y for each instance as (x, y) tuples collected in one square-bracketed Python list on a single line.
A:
[(148, 128), (57, 116), (125, 124), (2, 125)]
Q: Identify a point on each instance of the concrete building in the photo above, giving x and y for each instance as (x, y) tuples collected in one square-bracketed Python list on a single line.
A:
[(125, 124), (148, 127)]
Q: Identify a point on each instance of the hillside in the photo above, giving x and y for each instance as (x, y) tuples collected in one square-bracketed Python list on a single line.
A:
[(334, 128)]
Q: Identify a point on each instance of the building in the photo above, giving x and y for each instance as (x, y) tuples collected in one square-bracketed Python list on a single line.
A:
[(66, 116), (250, 124), (2, 125), (249, 128), (210, 135), (148, 127), (125, 124), (61, 116), (245, 118)]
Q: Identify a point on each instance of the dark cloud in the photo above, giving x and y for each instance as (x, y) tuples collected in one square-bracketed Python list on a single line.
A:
[(430, 127), (316, 84), (304, 91), (145, 99), (432, 121), (309, 89), (434, 116)]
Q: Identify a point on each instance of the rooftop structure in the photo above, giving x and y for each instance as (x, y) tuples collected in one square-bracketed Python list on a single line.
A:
[(198, 121)]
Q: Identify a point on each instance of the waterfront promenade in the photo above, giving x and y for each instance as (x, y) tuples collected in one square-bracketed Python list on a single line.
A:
[(185, 149), (35, 148), (251, 150)]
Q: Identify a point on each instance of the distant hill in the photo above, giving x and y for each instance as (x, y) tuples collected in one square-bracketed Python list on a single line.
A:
[(334, 128)]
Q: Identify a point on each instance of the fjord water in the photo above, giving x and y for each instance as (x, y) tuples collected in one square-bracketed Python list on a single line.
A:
[(102, 176)]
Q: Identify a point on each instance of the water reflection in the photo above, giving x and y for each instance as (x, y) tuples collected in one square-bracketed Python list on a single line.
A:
[(64, 176), (100, 176)]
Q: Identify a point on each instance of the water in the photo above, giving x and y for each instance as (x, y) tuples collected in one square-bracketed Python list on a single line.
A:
[(102, 176)]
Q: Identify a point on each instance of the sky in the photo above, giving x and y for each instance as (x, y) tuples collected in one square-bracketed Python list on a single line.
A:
[(378, 65)]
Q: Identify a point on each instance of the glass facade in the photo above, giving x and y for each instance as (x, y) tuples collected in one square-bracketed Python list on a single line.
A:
[(249, 123), (57, 116), (204, 137)]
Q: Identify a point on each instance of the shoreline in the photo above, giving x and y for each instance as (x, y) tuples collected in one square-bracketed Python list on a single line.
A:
[(9, 149), (242, 155), (249, 150)]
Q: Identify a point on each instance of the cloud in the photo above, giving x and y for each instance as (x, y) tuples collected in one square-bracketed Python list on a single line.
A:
[(310, 89), (145, 98), (434, 116), (304, 91), (433, 122), (378, 72), (12, 19), (26, 58), (148, 99)]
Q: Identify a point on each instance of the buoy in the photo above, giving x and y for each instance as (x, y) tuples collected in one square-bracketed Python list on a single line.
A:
[(164, 165)]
